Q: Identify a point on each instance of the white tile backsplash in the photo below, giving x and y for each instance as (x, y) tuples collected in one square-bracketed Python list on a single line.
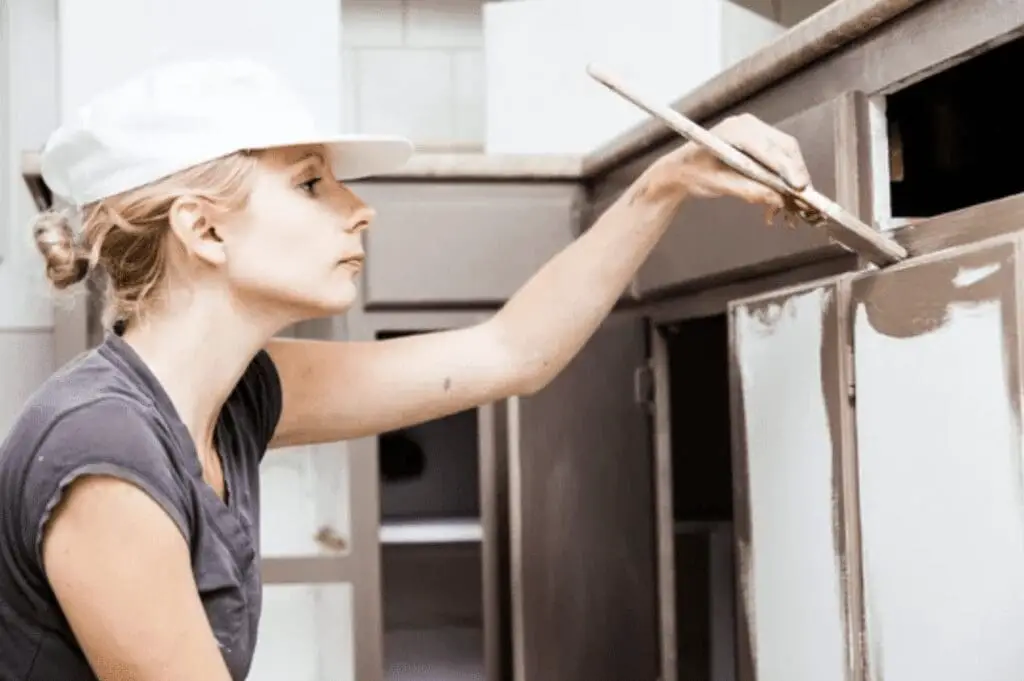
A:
[(470, 97), (372, 23), (444, 23), (416, 68), (406, 92), (349, 90)]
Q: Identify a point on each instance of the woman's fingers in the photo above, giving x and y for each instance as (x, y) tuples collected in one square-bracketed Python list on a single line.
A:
[(771, 147), (734, 184)]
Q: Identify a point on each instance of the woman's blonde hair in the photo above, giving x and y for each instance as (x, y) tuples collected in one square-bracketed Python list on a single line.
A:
[(124, 237)]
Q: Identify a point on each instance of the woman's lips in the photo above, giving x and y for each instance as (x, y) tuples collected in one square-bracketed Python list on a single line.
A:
[(354, 262)]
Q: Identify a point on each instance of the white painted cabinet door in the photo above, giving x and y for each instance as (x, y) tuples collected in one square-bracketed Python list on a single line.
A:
[(790, 467), (306, 634), (938, 426), (305, 491)]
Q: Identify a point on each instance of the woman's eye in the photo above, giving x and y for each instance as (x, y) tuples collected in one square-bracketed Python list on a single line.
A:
[(310, 186)]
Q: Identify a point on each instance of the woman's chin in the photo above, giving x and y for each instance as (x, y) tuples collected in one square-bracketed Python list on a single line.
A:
[(341, 299)]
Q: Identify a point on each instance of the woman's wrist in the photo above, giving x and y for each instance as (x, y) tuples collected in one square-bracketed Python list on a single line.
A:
[(670, 178)]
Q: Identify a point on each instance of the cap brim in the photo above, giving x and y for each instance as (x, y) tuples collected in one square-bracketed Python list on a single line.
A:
[(358, 156), (364, 156)]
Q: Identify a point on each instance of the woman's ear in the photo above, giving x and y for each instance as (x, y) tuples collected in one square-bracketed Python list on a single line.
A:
[(190, 221)]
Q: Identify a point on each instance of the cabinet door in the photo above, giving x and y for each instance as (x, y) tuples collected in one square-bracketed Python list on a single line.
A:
[(713, 238), (793, 493), (582, 519), (306, 633), (938, 425)]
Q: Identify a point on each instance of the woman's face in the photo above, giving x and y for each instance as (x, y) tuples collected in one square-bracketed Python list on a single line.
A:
[(296, 249)]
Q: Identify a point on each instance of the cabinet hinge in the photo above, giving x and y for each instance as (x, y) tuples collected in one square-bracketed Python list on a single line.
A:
[(643, 385), (851, 374)]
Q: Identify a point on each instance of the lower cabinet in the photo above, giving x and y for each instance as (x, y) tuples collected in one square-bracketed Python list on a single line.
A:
[(442, 595), (822, 482), (516, 541), (582, 527), (794, 507), (694, 505), (432, 546), (938, 428), (878, 472)]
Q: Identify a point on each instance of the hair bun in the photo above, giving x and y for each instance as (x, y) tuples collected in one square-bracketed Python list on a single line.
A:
[(66, 264)]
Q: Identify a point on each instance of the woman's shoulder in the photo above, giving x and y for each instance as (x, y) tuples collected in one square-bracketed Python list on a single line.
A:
[(87, 400), (88, 419)]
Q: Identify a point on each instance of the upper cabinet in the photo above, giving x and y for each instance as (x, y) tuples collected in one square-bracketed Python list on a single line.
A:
[(462, 244), (727, 237)]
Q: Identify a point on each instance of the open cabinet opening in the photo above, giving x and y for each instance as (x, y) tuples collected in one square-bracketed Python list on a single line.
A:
[(432, 549), (953, 137), (698, 377)]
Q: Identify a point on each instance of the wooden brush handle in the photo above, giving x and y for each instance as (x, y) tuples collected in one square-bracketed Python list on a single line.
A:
[(811, 205)]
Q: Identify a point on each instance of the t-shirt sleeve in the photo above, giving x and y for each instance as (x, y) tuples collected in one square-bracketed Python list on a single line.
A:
[(260, 396), (110, 437)]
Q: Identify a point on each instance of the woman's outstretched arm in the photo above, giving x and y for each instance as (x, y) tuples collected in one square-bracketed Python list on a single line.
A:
[(341, 390)]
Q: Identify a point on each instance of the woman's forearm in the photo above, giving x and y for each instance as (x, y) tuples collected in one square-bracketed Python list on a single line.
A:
[(546, 322)]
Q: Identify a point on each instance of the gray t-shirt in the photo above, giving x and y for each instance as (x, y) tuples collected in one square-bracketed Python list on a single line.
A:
[(106, 413)]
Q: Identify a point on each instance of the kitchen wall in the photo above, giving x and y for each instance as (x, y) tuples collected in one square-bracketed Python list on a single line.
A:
[(415, 67)]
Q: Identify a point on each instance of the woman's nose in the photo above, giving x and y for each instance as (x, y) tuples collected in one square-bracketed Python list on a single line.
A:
[(361, 220)]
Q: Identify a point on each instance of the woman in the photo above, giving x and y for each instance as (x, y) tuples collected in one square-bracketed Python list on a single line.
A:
[(128, 548)]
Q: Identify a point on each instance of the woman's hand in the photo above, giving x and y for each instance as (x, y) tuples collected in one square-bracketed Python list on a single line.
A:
[(692, 171)]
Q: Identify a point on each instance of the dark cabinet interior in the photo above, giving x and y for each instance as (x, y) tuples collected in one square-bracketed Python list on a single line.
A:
[(432, 550), (951, 135), (433, 611), (698, 369), (699, 410)]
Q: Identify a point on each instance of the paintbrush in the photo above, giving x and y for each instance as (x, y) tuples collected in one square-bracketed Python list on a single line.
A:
[(808, 204)]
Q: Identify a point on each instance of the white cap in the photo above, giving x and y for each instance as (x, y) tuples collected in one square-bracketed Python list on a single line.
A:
[(183, 114)]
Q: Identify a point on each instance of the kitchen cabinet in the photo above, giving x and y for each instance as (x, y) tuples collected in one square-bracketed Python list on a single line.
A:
[(439, 540), (937, 353), (795, 496), (878, 469), (582, 529), (510, 536), (462, 244)]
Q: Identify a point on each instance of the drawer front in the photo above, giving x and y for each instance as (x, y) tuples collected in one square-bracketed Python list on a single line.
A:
[(724, 238), (437, 244)]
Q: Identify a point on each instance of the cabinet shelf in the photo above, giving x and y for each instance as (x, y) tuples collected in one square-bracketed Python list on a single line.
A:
[(444, 531)]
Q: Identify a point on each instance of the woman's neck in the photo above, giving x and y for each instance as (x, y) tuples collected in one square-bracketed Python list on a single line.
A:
[(198, 354)]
